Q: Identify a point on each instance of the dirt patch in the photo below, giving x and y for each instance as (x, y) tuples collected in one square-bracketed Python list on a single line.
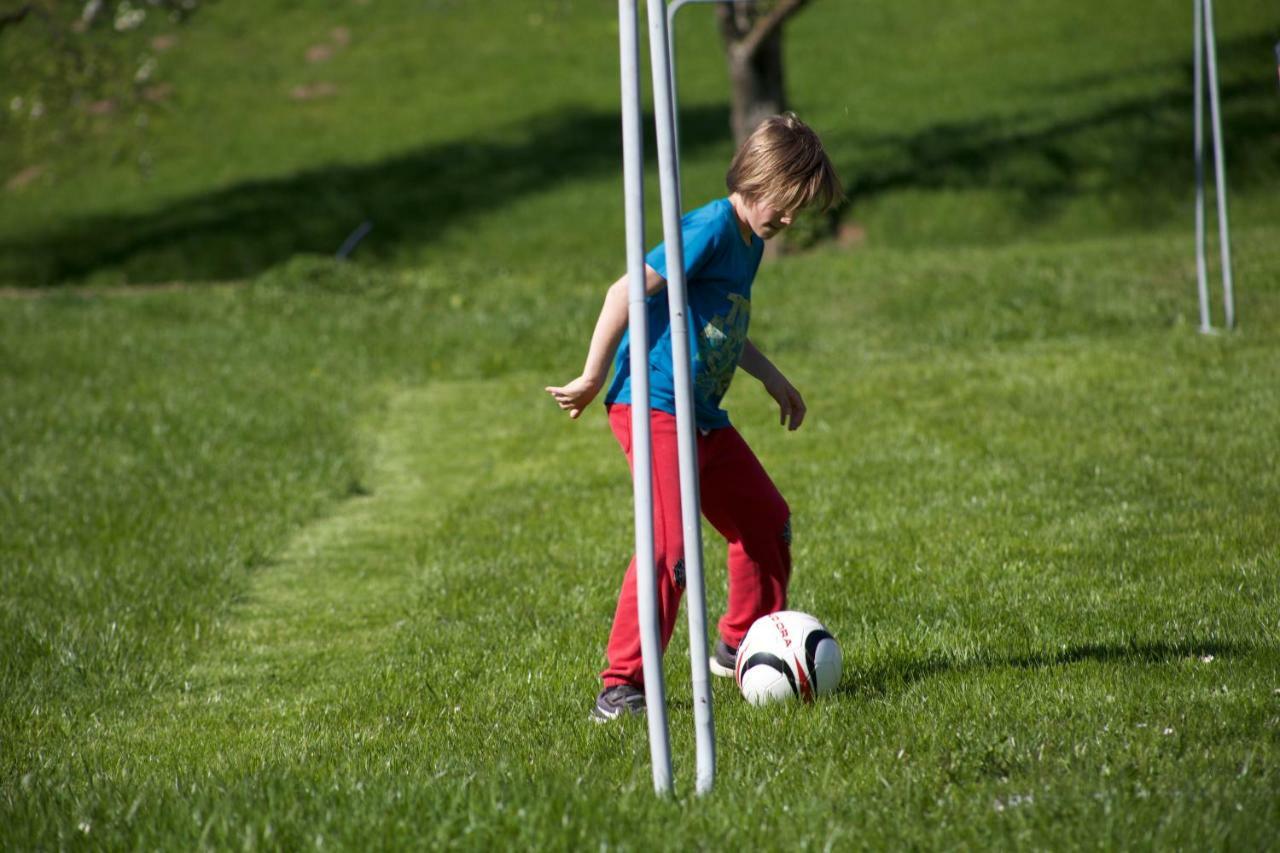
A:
[(158, 93), (319, 53), (25, 178), (313, 91)]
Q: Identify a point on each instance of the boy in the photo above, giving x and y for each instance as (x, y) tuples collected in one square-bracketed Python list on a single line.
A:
[(779, 170)]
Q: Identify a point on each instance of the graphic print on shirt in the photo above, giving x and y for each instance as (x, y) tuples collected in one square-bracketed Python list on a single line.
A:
[(720, 347)]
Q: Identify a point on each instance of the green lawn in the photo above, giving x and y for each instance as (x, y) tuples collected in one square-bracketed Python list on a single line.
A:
[(1038, 515), (467, 130), (298, 554)]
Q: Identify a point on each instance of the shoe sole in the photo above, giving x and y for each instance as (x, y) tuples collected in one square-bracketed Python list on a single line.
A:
[(600, 715), (720, 669)]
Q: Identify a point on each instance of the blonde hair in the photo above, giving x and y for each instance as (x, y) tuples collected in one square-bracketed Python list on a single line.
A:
[(783, 164)]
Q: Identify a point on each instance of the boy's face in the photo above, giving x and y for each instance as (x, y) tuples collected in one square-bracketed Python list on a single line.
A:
[(766, 220)]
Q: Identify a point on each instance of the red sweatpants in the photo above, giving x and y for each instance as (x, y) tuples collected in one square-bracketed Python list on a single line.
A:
[(740, 501)]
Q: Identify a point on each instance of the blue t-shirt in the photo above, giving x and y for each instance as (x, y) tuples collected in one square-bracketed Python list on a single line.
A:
[(719, 268)]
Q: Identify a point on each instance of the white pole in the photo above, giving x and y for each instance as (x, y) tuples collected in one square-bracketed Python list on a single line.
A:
[(1202, 270), (659, 57), (642, 466), (1224, 237), (675, 102)]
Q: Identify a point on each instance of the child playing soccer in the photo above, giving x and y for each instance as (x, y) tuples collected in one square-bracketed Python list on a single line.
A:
[(779, 170)]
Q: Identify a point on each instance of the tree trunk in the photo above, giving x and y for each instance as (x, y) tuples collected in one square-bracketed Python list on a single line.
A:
[(752, 34), (758, 89)]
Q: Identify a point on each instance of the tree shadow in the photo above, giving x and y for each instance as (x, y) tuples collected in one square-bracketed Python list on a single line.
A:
[(1135, 153), (894, 675), (241, 230)]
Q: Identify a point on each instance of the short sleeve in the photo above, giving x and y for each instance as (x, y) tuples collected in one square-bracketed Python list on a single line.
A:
[(702, 238)]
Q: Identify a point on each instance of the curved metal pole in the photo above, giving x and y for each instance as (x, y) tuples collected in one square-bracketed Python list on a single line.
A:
[(642, 467), (672, 8)]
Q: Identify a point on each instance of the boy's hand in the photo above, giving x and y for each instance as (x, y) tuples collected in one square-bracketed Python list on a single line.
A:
[(576, 395), (791, 407)]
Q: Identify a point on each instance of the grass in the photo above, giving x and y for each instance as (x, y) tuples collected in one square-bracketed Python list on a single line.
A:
[(295, 553), (984, 125), (1037, 516)]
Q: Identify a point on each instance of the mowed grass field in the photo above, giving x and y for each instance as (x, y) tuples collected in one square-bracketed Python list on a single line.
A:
[(297, 554)]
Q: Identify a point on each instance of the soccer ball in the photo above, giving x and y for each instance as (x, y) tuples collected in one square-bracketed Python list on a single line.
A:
[(787, 655)]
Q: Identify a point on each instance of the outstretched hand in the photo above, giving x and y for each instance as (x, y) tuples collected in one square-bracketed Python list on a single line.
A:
[(791, 406), (575, 396)]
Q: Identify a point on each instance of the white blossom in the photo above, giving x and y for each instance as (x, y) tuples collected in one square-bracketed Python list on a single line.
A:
[(145, 70), (129, 18)]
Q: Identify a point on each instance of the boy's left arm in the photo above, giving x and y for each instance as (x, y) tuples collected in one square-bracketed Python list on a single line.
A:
[(790, 404)]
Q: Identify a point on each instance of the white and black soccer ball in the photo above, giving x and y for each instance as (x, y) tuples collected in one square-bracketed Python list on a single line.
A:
[(787, 655)]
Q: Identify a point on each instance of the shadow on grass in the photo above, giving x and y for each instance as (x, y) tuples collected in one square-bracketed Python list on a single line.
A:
[(892, 675), (241, 230), (1135, 154)]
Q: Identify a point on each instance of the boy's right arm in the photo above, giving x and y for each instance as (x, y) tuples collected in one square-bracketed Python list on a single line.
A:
[(576, 395)]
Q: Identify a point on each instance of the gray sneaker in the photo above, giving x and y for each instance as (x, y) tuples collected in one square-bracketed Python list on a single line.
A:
[(617, 701), (723, 659)]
